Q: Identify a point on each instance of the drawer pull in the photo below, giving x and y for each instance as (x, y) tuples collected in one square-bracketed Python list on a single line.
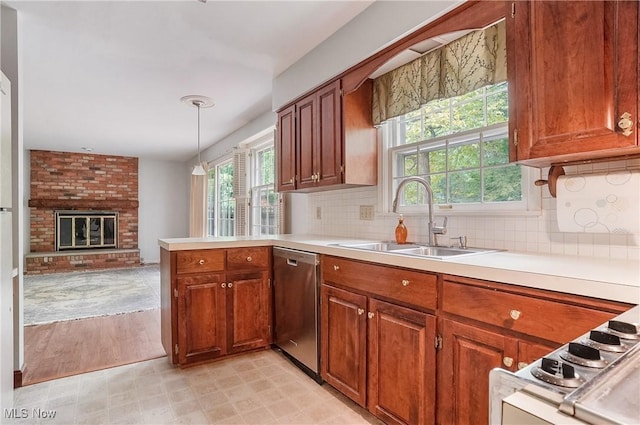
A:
[(230, 284), (336, 268), (224, 285), (405, 282), (522, 365), (360, 311), (249, 259), (515, 314), (370, 314), (201, 262), (507, 361)]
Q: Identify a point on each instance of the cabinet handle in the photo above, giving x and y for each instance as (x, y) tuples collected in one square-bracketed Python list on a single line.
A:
[(230, 284), (313, 177), (522, 365), (360, 311), (336, 268), (405, 282), (201, 262), (625, 124), (224, 285), (370, 314), (249, 259), (507, 361), (515, 314)]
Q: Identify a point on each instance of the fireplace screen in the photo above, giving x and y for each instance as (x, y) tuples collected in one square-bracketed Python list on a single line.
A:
[(86, 230)]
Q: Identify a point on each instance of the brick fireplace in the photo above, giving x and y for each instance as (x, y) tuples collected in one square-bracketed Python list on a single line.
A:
[(78, 195)]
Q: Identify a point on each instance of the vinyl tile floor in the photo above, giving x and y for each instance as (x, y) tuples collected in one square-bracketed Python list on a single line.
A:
[(256, 388)]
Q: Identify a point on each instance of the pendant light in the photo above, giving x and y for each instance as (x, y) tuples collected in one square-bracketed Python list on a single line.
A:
[(198, 102)]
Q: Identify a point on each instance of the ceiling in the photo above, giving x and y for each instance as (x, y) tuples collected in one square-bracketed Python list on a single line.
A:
[(109, 75)]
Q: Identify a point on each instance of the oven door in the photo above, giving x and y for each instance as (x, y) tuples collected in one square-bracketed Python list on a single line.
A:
[(524, 409)]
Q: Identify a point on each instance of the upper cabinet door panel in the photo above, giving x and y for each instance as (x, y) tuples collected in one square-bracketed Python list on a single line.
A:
[(329, 158), (285, 146), (576, 75), (306, 141)]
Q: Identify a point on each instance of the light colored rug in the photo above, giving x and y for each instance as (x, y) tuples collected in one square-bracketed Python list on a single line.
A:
[(68, 296)]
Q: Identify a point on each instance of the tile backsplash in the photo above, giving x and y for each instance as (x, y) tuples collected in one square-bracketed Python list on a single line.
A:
[(340, 216)]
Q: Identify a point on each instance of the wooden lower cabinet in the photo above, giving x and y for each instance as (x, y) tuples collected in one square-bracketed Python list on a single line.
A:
[(248, 311), (201, 318), (215, 302), (380, 355), (401, 362), (344, 342)]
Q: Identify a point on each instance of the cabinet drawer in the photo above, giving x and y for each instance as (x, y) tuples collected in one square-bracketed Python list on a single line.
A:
[(199, 261), (550, 320), (248, 258), (404, 286)]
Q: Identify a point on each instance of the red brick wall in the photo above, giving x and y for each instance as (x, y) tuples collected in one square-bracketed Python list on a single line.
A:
[(105, 182), (46, 264)]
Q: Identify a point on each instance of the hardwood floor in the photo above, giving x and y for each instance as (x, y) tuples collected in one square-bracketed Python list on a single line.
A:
[(72, 347)]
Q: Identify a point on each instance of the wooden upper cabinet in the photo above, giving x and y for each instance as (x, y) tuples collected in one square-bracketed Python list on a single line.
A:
[(573, 72), (327, 139), (286, 148)]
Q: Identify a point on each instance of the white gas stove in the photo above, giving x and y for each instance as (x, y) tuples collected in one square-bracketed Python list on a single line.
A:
[(594, 379)]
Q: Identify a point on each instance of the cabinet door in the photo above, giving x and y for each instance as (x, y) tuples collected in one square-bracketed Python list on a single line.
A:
[(248, 311), (286, 149), (402, 364), (467, 355), (329, 150), (530, 351), (201, 318), (306, 141), (344, 339), (576, 75)]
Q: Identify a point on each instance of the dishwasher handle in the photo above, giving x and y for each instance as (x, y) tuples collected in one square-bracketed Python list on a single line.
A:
[(292, 262)]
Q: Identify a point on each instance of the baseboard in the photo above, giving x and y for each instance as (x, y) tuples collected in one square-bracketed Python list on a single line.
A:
[(17, 378)]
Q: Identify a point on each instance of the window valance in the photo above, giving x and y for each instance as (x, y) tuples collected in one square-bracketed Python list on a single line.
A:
[(475, 60)]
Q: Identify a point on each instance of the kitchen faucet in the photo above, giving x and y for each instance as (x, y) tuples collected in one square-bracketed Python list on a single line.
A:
[(432, 229)]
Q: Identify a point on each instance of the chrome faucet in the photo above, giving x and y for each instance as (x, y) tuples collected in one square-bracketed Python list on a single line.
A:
[(432, 229)]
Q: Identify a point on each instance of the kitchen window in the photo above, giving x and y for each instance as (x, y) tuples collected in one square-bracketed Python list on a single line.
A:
[(460, 146), (221, 203), (265, 201)]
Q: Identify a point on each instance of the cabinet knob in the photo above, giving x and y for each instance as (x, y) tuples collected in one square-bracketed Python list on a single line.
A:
[(522, 365), (507, 361), (230, 284), (626, 124), (405, 282), (360, 311), (290, 181), (336, 268), (201, 262), (223, 285), (370, 314), (249, 259), (515, 314)]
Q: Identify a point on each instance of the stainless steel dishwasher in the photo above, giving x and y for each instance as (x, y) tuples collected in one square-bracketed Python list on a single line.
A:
[(295, 281)]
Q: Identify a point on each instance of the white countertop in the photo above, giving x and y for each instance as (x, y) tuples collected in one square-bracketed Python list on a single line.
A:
[(616, 280)]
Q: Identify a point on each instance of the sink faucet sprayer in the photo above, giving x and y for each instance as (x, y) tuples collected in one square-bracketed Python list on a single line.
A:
[(432, 229)]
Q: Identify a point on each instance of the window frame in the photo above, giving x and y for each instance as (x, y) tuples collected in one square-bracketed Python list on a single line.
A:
[(531, 201), (215, 168), (267, 143)]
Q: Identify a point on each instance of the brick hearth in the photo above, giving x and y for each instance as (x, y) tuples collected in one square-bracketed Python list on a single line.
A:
[(72, 181)]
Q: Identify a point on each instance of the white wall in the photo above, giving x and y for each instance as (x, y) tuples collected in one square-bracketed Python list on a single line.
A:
[(378, 26), (163, 191), (340, 212)]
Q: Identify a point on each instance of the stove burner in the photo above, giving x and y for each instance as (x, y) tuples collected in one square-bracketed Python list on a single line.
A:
[(583, 355), (557, 373), (623, 329), (605, 341)]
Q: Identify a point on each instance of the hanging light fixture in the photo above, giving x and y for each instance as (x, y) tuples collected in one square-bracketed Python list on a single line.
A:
[(198, 102)]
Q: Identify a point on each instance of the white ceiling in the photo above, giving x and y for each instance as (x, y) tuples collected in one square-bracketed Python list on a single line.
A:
[(110, 74)]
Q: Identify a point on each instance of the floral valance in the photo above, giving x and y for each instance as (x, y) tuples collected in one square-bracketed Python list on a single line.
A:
[(475, 60)]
